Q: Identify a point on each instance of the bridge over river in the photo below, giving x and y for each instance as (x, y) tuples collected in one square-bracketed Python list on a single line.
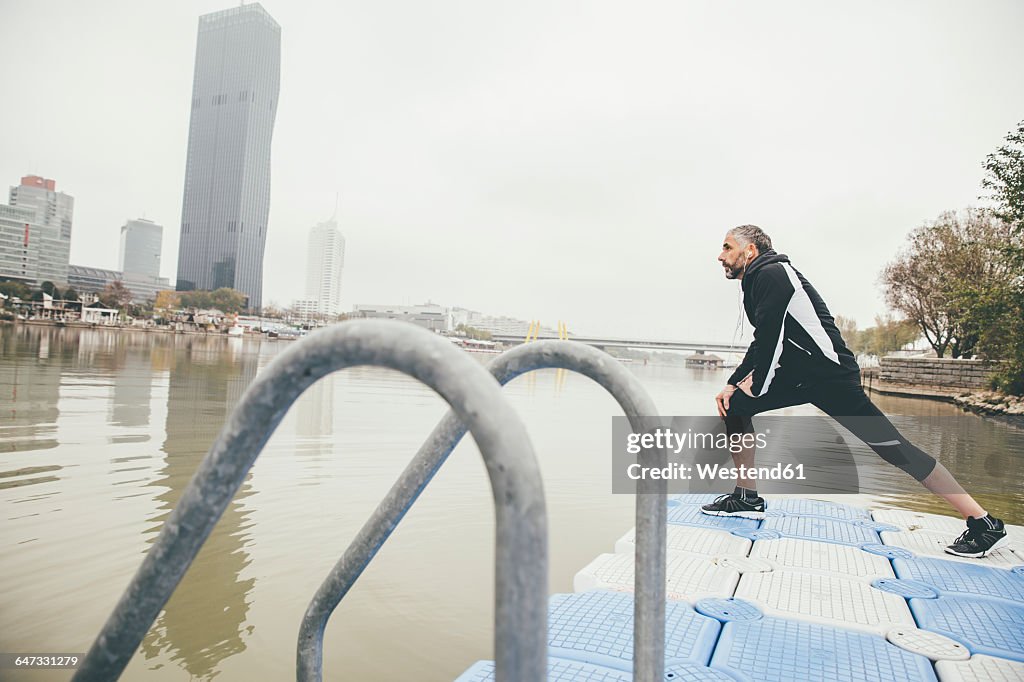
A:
[(641, 344)]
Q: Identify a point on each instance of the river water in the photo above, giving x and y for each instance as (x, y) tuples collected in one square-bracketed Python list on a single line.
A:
[(100, 431)]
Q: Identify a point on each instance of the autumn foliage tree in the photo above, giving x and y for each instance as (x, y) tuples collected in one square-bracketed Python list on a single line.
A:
[(945, 269), (167, 300), (116, 295)]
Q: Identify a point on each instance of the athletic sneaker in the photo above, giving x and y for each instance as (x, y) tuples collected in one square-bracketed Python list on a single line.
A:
[(734, 505), (980, 538)]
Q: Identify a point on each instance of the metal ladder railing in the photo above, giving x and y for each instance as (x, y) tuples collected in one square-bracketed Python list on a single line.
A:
[(651, 511), (521, 561)]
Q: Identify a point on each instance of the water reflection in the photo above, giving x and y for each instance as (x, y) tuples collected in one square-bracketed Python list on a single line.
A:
[(30, 376), (314, 428), (314, 410), (37, 472), (984, 455), (133, 383), (207, 377)]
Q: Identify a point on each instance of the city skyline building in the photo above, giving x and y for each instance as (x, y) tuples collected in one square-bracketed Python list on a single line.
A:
[(35, 232), (141, 245), (324, 264), (495, 324), (17, 260), (432, 316), (85, 279), (226, 198)]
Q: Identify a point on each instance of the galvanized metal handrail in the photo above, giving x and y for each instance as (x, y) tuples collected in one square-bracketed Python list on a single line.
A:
[(521, 566), (651, 512)]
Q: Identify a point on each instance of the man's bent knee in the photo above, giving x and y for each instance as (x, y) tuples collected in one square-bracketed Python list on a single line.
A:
[(906, 456)]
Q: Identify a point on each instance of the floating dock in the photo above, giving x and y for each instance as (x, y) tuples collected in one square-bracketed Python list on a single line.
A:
[(816, 591)]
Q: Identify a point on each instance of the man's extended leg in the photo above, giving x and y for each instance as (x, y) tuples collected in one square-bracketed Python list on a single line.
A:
[(846, 402), (942, 483)]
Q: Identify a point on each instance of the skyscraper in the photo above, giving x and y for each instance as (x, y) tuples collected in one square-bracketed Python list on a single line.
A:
[(141, 242), (227, 174), (35, 232), (323, 269)]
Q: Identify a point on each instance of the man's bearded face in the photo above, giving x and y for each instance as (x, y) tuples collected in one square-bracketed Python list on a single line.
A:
[(733, 258)]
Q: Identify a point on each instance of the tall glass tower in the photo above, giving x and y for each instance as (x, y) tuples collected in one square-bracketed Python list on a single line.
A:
[(323, 268), (141, 242), (227, 175)]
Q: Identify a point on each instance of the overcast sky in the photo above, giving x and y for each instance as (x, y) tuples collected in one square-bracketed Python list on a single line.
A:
[(554, 160)]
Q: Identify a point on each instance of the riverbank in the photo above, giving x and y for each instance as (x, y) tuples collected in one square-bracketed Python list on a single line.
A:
[(991, 402), (180, 328), (1007, 409)]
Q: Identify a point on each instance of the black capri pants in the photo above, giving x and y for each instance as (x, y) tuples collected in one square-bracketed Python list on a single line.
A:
[(845, 401)]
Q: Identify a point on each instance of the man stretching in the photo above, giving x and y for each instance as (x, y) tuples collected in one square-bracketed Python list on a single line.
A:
[(798, 356)]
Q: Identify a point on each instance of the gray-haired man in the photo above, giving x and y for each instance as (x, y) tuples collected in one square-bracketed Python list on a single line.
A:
[(798, 356)]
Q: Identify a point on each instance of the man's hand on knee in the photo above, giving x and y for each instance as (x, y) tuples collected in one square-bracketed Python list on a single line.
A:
[(722, 400)]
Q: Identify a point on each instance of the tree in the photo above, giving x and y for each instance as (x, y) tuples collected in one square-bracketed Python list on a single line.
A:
[(228, 300), (195, 299), (50, 288), (16, 290), (1000, 314), (272, 310), (141, 310), (848, 330), (225, 299), (167, 300), (116, 295), (889, 334), (1004, 178), (70, 294), (474, 333), (945, 268)]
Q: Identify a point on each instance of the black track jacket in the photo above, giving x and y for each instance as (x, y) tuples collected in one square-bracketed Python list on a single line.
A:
[(794, 332)]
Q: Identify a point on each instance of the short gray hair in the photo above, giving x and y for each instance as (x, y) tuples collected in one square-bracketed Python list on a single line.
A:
[(752, 234)]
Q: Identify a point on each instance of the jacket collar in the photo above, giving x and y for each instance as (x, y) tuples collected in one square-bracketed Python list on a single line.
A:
[(764, 258)]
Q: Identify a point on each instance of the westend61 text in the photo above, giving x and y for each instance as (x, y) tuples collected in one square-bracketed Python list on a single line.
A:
[(675, 441), (709, 472)]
